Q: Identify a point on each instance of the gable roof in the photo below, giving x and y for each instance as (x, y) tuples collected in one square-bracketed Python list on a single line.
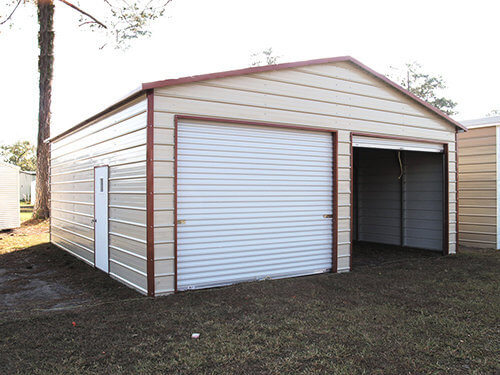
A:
[(257, 69), (482, 122)]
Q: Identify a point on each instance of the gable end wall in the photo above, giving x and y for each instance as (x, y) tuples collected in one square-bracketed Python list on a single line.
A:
[(332, 96)]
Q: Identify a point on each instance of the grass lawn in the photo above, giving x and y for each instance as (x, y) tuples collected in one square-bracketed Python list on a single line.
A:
[(25, 216), (420, 315)]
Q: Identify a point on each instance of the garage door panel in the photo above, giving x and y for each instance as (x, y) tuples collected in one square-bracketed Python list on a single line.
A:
[(278, 243), (296, 233), (230, 276), (247, 151), (242, 134), (249, 226), (251, 200), (249, 180), (254, 250), (194, 169)]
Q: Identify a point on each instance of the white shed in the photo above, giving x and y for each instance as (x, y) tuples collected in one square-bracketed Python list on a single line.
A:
[(9, 196), (26, 179), (264, 172)]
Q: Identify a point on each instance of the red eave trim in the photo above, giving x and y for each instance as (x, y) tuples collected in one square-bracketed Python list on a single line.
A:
[(407, 93), (240, 72), (133, 95)]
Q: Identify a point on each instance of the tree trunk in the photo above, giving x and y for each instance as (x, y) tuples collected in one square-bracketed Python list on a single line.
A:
[(45, 68)]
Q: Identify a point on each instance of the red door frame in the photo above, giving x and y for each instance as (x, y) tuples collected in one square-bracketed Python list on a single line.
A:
[(334, 133)]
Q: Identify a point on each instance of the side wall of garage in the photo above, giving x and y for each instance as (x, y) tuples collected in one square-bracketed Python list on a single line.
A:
[(478, 187), (333, 96), (119, 141)]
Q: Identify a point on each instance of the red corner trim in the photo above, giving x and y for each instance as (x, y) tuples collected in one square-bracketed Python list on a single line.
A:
[(150, 247)]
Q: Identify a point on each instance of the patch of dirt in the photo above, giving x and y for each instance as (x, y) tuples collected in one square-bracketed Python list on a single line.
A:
[(43, 277), (373, 254)]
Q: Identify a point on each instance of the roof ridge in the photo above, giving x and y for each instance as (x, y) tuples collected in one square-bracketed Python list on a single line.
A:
[(258, 69)]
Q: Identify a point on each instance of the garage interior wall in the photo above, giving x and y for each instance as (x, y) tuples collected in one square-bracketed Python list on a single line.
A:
[(399, 198), (119, 141), (423, 204), (377, 196), (478, 187), (332, 96)]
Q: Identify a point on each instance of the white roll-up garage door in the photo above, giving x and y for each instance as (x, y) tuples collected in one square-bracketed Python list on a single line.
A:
[(395, 144), (251, 203)]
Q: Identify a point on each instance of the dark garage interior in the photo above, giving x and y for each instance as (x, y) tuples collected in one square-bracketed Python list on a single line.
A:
[(398, 200)]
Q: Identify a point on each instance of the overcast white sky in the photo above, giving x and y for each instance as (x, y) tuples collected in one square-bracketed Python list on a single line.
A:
[(457, 39)]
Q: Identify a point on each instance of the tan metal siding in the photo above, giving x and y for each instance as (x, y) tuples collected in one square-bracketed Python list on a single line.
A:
[(117, 140), (335, 96), (478, 187)]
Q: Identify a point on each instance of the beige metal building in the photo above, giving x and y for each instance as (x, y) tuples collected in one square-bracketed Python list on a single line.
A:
[(270, 171), (478, 191)]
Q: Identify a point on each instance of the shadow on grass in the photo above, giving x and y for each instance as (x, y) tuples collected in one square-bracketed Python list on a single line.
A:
[(43, 277)]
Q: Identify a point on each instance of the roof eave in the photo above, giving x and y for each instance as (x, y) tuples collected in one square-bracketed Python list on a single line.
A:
[(130, 96), (252, 70)]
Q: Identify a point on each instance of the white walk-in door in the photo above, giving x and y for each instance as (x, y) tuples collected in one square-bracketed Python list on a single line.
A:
[(253, 202), (101, 218)]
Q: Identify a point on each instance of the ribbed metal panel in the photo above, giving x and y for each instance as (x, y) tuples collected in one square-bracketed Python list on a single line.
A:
[(9, 196), (395, 144), (405, 211), (423, 200), (251, 202), (378, 196), (117, 141)]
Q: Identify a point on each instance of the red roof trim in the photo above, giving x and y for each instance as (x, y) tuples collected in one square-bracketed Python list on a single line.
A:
[(240, 72), (406, 92), (258, 69)]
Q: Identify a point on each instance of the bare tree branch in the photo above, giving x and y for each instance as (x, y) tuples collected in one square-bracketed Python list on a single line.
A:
[(12, 13), (84, 13)]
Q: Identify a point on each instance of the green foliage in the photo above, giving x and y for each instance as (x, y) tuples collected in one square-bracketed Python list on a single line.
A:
[(425, 86), (119, 21), (265, 57), (123, 21), (21, 153), (494, 112)]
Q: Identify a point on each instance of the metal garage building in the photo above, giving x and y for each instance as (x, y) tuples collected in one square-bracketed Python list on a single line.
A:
[(241, 175), (478, 167)]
